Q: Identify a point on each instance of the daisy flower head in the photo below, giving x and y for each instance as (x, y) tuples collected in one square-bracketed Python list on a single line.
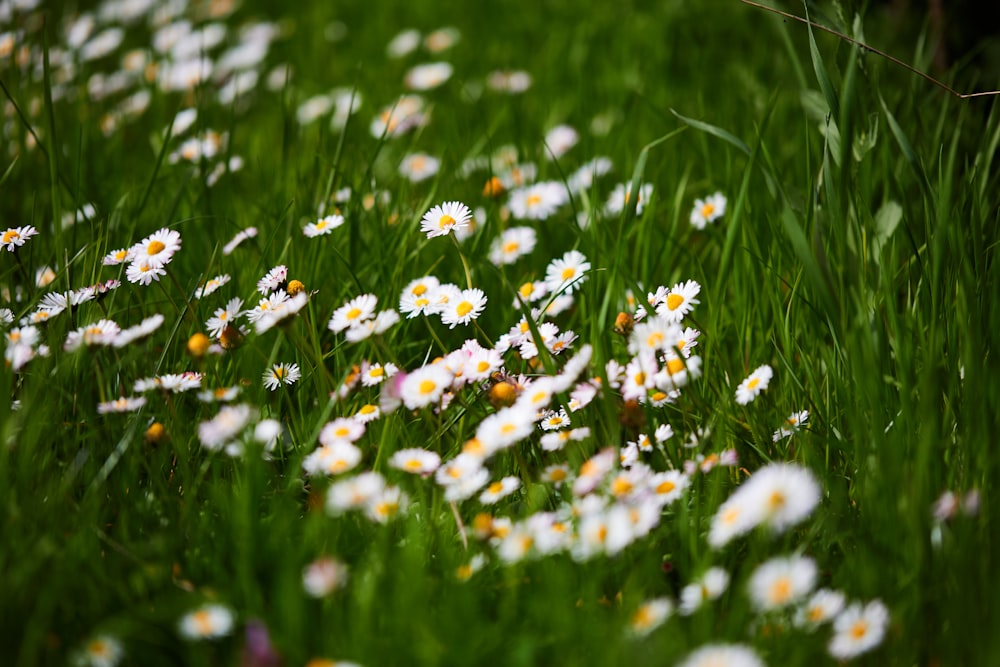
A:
[(101, 651), (723, 655), (424, 386), (428, 76), (240, 237), (511, 82), (781, 582), (210, 286), (754, 383), (858, 629), (102, 332), (378, 325), (376, 374), (353, 313), (224, 427), (678, 302), (512, 244), (559, 140), (791, 426), (621, 197), (468, 305), (442, 39), (461, 477), (280, 374), (273, 280), (650, 615), (538, 201), (499, 490), (417, 167), (224, 317), (335, 458), (566, 273), (323, 226), (15, 237), (341, 429), (209, 621), (822, 606), (323, 576), (116, 257), (144, 273), (123, 404), (710, 586), (708, 210), (415, 461), (445, 218), (404, 43), (158, 248)]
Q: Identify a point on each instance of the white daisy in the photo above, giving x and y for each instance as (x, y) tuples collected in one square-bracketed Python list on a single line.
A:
[(754, 383), (280, 374), (513, 244), (323, 225), (428, 76), (708, 210), (465, 307), (353, 312), (444, 218), (417, 167), (566, 273)]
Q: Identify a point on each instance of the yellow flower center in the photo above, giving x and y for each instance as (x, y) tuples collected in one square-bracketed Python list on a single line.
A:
[(859, 629), (203, 622), (642, 618), (413, 465), (816, 614), (640, 378), (707, 210), (655, 339), (353, 313), (674, 301), (376, 372), (675, 366), (464, 572), (511, 247), (367, 409), (482, 366), (420, 303), (780, 591), (155, 247), (665, 487), (321, 225), (507, 428), (752, 384), (776, 501), (496, 487), (342, 432), (557, 475), (526, 290), (463, 309), (731, 515), (121, 255), (419, 289), (620, 486), (658, 396), (446, 221), (99, 649), (10, 235), (279, 373), (533, 200), (568, 273)]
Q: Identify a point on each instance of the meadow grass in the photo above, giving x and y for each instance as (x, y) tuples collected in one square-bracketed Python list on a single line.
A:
[(856, 258)]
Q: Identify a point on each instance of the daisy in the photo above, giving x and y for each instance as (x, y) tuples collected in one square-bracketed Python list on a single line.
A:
[(428, 76), (858, 629), (461, 477), (386, 505), (123, 404), (335, 458), (559, 140), (622, 195), (273, 280), (465, 307), (323, 576), (565, 274), (116, 257), (399, 118), (225, 426), (710, 586), (366, 413), (15, 237), (442, 219), (224, 317), (506, 427), (417, 167), (282, 310), (424, 386), (102, 332), (375, 374), (353, 312), (791, 425), (102, 651), (282, 373), (143, 273), (403, 44), (553, 420), (667, 486), (556, 474), (723, 655), (781, 582), (416, 461), (269, 304), (241, 236), (442, 39), (341, 428), (139, 331), (678, 302), (821, 607), (323, 226), (512, 244), (498, 490), (538, 201), (207, 622), (509, 81), (210, 286), (593, 471), (755, 383), (583, 178), (380, 324), (650, 615), (158, 248), (353, 492), (220, 394), (708, 210)]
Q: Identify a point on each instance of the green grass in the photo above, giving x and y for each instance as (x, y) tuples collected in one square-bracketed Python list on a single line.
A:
[(857, 257)]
